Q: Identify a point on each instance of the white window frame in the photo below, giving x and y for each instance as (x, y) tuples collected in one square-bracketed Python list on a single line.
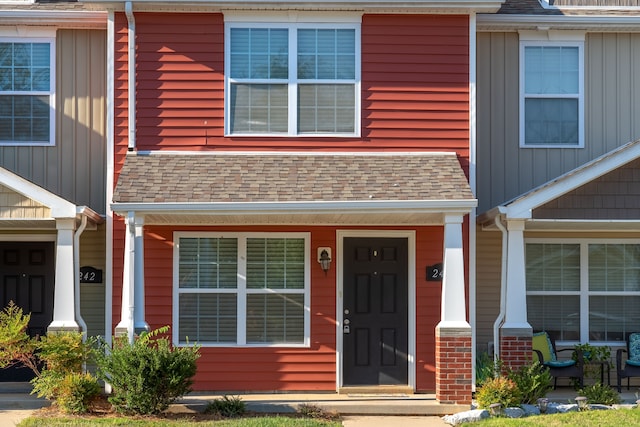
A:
[(242, 290), (292, 81), (51, 92), (584, 293), (525, 42)]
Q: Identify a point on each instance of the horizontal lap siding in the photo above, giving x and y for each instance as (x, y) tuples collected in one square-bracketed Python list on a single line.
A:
[(415, 86), (415, 81), (252, 369)]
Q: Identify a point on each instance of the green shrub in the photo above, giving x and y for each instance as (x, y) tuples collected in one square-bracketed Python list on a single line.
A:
[(499, 390), (62, 379), (486, 368), (600, 393), (534, 381), (64, 351), (16, 346), (227, 407), (147, 376)]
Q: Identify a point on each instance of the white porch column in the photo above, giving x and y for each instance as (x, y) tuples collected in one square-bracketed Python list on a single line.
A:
[(64, 311), (454, 307), (126, 324), (516, 289), (140, 324)]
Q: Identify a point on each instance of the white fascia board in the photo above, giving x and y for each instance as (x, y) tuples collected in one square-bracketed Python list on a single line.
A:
[(515, 21), (522, 207), (58, 18), (264, 208), (60, 208)]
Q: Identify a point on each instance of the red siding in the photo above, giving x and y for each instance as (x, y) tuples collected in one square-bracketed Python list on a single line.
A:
[(268, 369), (415, 85), (415, 96)]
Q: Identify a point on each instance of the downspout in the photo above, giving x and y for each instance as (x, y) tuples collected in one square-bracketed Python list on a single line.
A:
[(503, 291), (131, 36), (76, 263)]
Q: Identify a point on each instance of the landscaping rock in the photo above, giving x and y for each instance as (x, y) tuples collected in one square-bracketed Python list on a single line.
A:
[(466, 417), (530, 410), (514, 412), (597, 406)]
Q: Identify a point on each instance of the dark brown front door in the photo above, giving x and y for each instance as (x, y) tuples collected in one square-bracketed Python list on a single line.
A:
[(27, 270), (375, 332)]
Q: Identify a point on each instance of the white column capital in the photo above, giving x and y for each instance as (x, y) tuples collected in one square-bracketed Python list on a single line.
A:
[(517, 224)]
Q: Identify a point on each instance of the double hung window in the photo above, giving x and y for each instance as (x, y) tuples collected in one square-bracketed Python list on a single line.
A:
[(26, 92), (242, 289), (292, 79), (551, 94), (584, 290)]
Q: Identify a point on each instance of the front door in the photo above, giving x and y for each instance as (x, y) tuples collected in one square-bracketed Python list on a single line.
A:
[(375, 304), (27, 271)]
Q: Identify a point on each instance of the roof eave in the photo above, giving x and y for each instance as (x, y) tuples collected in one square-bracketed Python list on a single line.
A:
[(57, 18), (514, 22), (442, 6), (264, 208)]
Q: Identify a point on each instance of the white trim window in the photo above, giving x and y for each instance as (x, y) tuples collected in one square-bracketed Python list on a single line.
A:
[(583, 290), (27, 91), (551, 94), (237, 289), (292, 79)]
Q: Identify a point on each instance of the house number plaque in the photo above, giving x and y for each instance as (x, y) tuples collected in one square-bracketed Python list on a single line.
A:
[(434, 273), (90, 275)]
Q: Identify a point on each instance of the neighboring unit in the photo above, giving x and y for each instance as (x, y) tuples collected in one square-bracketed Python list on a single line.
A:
[(558, 238), (53, 165)]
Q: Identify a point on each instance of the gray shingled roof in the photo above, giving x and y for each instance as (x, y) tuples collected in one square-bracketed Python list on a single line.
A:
[(208, 178), (571, 7)]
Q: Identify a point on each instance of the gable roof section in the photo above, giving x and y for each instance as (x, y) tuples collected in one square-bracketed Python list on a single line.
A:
[(522, 206), (59, 207), (289, 183)]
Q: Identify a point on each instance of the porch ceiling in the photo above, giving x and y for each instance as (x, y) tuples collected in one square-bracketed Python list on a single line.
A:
[(292, 188)]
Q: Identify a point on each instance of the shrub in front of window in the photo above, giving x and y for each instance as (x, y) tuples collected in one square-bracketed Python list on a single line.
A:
[(148, 375), (534, 382)]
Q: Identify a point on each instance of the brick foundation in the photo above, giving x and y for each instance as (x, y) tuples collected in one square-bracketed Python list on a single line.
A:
[(454, 367), (515, 348)]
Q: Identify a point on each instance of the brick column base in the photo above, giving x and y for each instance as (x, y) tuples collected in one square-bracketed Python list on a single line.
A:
[(454, 365), (515, 347)]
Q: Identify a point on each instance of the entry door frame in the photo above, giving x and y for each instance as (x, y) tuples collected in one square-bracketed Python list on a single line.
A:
[(410, 235)]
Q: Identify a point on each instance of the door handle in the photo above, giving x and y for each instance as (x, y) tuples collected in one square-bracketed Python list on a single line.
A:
[(346, 328)]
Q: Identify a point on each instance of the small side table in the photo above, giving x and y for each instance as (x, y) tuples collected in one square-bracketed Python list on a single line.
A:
[(604, 364)]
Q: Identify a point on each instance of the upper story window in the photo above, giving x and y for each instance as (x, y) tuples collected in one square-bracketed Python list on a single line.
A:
[(551, 94), (26, 92), (292, 79)]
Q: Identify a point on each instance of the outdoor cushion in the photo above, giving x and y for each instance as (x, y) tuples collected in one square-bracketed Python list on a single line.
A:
[(634, 349), (542, 343), (560, 363), (633, 362)]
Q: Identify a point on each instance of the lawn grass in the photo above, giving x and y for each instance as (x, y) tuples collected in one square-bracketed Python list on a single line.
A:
[(596, 418), (265, 421)]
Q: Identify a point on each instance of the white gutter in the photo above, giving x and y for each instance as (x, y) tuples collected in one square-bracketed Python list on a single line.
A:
[(76, 285), (472, 184), (590, 21), (263, 208), (59, 18), (503, 292), (131, 21)]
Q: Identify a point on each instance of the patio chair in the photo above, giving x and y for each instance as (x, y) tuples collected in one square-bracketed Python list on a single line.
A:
[(545, 348), (630, 367)]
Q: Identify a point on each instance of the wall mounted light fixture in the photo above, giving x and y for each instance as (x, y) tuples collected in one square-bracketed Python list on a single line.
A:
[(324, 258)]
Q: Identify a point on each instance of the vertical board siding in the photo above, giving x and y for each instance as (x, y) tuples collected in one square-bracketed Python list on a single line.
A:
[(92, 295), (612, 109), (415, 85), (75, 168), (489, 274)]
